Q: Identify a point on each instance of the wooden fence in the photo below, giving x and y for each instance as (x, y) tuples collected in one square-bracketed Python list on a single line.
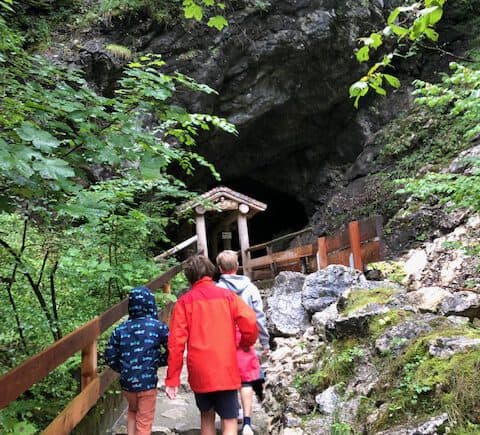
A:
[(84, 340), (357, 245)]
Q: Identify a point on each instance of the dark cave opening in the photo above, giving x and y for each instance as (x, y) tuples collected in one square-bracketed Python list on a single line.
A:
[(284, 213)]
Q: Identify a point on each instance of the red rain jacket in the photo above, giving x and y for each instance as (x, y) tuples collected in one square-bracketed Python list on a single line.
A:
[(204, 319)]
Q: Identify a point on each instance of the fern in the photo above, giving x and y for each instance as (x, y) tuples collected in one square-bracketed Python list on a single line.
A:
[(119, 51)]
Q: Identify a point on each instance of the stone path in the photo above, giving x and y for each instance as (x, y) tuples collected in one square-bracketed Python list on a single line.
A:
[(181, 416)]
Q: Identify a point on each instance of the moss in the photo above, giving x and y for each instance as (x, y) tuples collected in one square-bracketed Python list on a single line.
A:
[(384, 321), (420, 385), (363, 297)]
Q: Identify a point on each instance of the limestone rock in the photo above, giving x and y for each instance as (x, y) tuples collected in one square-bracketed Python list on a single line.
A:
[(428, 298), (325, 286), (464, 303), (445, 347), (285, 313)]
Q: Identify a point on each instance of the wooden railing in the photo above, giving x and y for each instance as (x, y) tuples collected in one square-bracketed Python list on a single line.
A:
[(357, 245), (84, 340)]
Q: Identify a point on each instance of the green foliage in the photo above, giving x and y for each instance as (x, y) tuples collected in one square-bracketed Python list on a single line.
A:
[(119, 51), (86, 194), (339, 428), (54, 131), (414, 22), (196, 9), (457, 95), (337, 365), (422, 385)]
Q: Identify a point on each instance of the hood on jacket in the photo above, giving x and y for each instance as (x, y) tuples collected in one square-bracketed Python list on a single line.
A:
[(141, 303), (237, 283)]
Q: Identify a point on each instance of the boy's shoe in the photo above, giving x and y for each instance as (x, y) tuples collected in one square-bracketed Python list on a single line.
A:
[(247, 430)]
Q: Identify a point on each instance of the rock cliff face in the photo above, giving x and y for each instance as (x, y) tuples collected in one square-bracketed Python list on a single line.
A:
[(282, 70)]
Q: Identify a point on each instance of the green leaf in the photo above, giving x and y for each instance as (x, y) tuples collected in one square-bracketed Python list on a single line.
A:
[(431, 34), (359, 88), (393, 15), (434, 15), (218, 22), (193, 11), (363, 54), (53, 169), (377, 40), (40, 139), (392, 80), (399, 30)]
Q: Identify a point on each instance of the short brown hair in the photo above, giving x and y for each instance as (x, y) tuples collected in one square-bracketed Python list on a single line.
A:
[(227, 261), (198, 266)]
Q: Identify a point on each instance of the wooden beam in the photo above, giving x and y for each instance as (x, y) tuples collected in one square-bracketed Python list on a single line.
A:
[(89, 364), (339, 240), (354, 235), (279, 239), (341, 256), (80, 405), (372, 251), (292, 255), (22, 377), (176, 248), (322, 257)]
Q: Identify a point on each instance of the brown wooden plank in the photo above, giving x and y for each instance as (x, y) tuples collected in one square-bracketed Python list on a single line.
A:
[(22, 377), (282, 257), (322, 253), (260, 274), (89, 364), (340, 257), (160, 281), (279, 239), (339, 240), (372, 251), (369, 228), (81, 404), (354, 234)]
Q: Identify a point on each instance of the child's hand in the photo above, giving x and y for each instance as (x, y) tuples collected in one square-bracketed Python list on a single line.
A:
[(171, 392)]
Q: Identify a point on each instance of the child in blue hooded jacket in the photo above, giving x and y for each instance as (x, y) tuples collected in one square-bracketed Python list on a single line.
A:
[(136, 349)]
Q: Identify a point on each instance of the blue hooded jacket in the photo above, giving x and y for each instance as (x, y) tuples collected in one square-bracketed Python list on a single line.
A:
[(138, 346)]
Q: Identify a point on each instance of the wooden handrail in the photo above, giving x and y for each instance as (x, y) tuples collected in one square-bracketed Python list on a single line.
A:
[(278, 239), (356, 246), (21, 378), (176, 248)]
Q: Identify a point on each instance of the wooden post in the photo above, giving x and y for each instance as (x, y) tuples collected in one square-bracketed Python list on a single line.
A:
[(243, 236), (354, 236), (201, 230), (167, 288), (379, 229), (89, 364), (322, 255), (273, 266)]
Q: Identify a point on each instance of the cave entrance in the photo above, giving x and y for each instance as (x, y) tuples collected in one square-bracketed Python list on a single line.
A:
[(285, 214)]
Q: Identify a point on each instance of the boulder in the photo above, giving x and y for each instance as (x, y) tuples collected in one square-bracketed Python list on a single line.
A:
[(428, 298), (285, 313), (464, 303), (445, 347), (324, 287)]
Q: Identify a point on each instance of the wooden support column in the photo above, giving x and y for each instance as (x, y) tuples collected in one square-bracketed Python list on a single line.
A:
[(201, 230), (322, 257), (354, 236), (243, 236), (167, 288), (89, 364)]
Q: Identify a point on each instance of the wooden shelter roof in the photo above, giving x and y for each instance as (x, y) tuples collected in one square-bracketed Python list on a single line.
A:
[(224, 199)]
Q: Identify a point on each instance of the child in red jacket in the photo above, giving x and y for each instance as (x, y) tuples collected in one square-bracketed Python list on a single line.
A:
[(205, 320)]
